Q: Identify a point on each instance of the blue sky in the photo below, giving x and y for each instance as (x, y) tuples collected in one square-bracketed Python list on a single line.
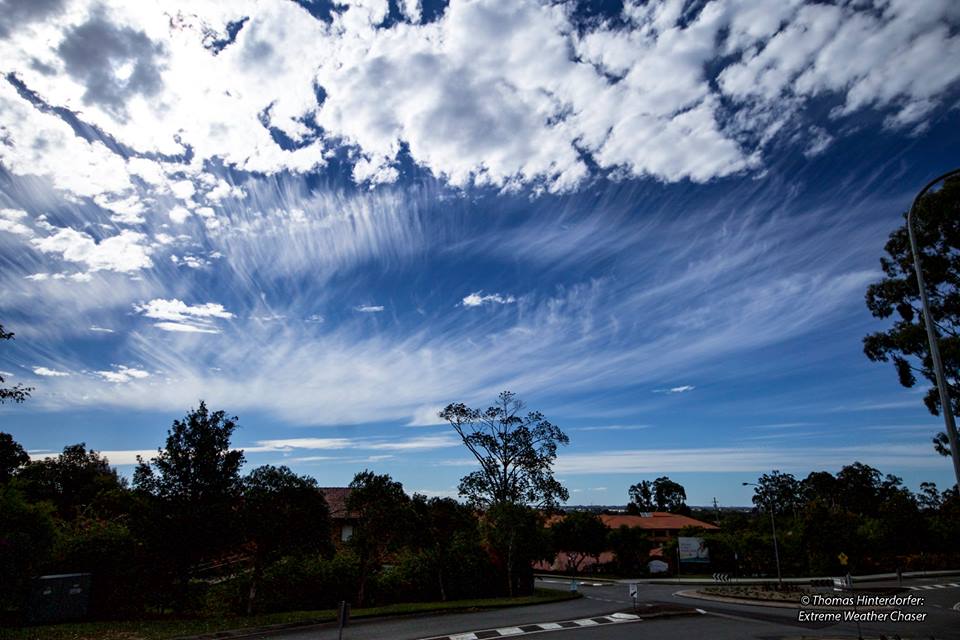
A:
[(655, 222)]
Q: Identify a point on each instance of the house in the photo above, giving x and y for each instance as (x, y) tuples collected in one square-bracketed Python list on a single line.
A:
[(660, 525), (342, 521)]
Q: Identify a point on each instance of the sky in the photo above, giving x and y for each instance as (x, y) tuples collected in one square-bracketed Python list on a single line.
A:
[(653, 221)]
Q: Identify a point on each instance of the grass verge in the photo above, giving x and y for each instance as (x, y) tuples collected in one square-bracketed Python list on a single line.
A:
[(174, 628)]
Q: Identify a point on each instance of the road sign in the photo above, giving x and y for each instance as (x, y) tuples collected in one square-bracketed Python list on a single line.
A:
[(634, 589), (842, 557), (843, 584), (721, 577)]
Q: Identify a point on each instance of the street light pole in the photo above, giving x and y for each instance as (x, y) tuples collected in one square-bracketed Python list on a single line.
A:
[(776, 549), (945, 405), (773, 527)]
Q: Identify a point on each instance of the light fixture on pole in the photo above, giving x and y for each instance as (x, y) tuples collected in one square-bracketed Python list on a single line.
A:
[(945, 407), (773, 526)]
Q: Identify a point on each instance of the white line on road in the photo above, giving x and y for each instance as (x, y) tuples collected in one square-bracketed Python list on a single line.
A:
[(510, 631)]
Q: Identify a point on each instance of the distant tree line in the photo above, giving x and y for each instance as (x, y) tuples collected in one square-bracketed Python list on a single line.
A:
[(871, 518)]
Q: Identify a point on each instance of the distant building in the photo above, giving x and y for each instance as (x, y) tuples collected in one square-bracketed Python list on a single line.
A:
[(660, 525), (342, 521)]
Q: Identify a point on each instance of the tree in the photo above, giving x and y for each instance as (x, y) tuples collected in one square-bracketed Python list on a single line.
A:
[(580, 535), (669, 495), (194, 483), (663, 494), (438, 523), (641, 497), (819, 485), (515, 535), (384, 515), (630, 546), (77, 481), (777, 492), (937, 228), (12, 457), (283, 514), (27, 534), (17, 393), (516, 454)]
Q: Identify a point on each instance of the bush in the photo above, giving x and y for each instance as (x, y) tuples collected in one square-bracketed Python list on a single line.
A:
[(27, 535), (303, 583), (109, 552)]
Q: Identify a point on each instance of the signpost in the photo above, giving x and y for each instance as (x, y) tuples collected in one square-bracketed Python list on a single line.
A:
[(343, 616), (635, 594)]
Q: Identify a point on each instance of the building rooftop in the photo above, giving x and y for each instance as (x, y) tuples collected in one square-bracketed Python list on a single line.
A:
[(659, 520), (337, 500)]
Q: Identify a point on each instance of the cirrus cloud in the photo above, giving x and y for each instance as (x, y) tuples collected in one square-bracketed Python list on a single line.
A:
[(176, 315)]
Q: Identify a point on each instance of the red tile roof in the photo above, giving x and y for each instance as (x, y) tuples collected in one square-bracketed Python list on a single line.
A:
[(655, 520), (337, 501)]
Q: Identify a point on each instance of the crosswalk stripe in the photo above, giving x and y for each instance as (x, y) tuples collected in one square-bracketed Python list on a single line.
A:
[(929, 587), (613, 618)]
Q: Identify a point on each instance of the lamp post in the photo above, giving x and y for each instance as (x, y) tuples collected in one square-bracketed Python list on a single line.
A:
[(945, 405), (773, 526)]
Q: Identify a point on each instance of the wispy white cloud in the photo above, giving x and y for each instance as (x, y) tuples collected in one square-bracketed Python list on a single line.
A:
[(176, 315), (612, 427), (51, 373), (369, 308), (11, 221), (120, 374), (680, 389), (478, 299), (416, 443), (742, 459), (123, 457)]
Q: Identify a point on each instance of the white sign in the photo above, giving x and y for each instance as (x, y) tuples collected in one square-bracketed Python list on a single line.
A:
[(634, 589), (658, 566), (693, 550)]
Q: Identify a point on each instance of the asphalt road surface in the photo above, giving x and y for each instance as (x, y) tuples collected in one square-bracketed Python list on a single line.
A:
[(590, 618)]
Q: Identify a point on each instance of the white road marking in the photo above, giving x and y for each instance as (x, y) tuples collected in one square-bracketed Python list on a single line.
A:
[(544, 627)]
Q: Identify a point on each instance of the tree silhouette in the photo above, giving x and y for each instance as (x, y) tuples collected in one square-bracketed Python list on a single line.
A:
[(516, 454), (17, 393), (283, 514), (937, 228), (193, 485)]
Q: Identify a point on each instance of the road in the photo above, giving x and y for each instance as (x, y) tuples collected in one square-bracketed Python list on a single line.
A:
[(590, 618)]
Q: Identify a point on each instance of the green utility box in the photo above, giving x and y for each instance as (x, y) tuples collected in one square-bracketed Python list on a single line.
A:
[(58, 598)]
